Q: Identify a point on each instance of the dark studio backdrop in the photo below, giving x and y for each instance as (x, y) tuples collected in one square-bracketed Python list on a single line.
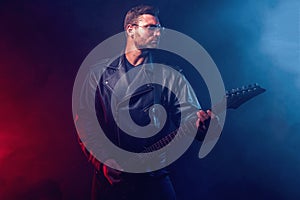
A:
[(43, 43)]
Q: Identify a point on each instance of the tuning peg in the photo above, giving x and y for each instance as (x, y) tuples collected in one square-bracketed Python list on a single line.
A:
[(238, 91), (256, 85), (243, 88)]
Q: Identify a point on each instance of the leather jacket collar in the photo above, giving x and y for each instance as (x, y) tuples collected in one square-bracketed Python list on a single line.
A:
[(116, 69)]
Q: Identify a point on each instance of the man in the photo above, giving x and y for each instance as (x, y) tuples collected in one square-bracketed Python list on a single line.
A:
[(143, 31)]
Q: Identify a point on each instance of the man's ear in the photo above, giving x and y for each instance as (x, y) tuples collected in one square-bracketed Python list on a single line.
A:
[(129, 30)]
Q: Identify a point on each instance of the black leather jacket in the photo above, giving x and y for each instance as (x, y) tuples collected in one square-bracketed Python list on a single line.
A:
[(99, 89)]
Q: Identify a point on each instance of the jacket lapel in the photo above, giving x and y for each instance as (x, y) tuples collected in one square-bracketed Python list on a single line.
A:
[(115, 72)]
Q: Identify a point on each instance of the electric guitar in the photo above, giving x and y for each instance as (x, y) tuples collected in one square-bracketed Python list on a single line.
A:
[(234, 98)]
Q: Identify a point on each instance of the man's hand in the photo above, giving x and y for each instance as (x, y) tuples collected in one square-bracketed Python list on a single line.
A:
[(204, 118), (112, 174)]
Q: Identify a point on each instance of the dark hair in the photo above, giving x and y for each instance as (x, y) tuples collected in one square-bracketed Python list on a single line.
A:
[(133, 14)]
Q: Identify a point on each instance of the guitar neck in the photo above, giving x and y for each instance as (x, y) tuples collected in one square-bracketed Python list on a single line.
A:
[(184, 129), (232, 100)]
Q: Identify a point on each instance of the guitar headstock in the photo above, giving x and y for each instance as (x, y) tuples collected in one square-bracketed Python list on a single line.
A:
[(239, 96)]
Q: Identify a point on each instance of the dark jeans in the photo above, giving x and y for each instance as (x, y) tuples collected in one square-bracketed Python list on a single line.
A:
[(135, 187)]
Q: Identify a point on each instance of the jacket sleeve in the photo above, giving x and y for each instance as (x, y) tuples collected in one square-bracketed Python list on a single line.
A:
[(189, 106), (88, 128)]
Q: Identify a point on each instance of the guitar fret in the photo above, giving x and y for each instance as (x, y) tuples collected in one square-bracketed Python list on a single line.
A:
[(161, 144)]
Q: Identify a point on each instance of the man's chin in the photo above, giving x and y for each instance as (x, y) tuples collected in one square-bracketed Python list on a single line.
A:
[(153, 45), (149, 46)]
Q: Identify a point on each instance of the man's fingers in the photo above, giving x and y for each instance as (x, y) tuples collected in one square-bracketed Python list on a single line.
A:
[(114, 172), (203, 119), (202, 115), (205, 115), (112, 175), (113, 180), (113, 164), (211, 114)]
